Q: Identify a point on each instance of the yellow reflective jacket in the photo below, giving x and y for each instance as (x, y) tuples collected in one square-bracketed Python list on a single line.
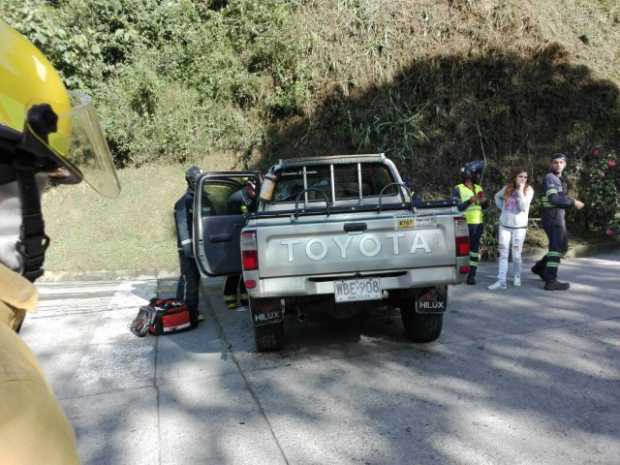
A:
[(473, 214), (33, 428)]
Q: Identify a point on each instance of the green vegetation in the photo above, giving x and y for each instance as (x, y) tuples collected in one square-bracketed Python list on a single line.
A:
[(134, 233), (432, 84)]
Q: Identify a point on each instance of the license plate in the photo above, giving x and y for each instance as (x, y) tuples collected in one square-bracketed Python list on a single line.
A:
[(405, 223), (353, 290)]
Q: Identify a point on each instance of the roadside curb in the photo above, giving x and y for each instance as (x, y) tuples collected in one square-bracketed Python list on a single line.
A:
[(588, 250), (575, 251), (107, 275)]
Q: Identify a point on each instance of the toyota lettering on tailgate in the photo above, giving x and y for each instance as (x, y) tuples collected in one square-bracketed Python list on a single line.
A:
[(368, 245)]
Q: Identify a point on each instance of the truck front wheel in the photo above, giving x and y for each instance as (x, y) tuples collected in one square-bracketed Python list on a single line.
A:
[(419, 327)]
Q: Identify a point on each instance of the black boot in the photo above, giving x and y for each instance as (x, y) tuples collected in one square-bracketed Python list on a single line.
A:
[(556, 286), (471, 278), (539, 270)]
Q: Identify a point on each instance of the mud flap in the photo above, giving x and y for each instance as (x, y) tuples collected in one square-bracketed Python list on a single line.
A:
[(268, 321), (266, 311), (432, 301)]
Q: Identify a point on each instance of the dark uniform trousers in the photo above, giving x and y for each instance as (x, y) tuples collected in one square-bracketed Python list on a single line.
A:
[(475, 234), (555, 229), (188, 287)]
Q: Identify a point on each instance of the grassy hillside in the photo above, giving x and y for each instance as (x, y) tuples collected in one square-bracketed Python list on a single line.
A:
[(434, 84), (431, 83), (133, 233)]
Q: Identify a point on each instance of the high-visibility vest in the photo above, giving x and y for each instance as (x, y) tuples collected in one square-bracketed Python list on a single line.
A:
[(473, 213)]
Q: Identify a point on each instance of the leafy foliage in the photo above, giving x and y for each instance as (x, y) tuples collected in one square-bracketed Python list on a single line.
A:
[(601, 188), (173, 80), (432, 84)]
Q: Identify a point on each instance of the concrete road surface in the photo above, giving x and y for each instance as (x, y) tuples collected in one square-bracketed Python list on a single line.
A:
[(521, 376)]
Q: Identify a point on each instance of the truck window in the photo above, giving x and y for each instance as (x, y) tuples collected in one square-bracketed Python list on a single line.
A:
[(375, 176), (291, 183), (347, 181), (215, 197)]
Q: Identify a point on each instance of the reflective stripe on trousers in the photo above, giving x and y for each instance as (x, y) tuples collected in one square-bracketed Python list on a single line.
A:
[(475, 233), (558, 244)]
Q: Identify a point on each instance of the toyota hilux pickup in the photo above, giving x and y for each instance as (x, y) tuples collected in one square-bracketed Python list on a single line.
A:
[(332, 234)]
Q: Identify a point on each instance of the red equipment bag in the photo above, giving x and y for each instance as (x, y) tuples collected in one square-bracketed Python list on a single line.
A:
[(170, 316), (163, 316)]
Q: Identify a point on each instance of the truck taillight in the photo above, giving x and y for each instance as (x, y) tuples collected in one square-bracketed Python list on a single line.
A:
[(462, 246), (461, 240), (249, 252)]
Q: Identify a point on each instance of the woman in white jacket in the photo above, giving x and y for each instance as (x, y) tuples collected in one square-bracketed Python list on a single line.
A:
[(514, 201)]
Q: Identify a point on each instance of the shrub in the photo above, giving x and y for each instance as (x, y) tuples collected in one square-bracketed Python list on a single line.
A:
[(173, 80), (600, 190)]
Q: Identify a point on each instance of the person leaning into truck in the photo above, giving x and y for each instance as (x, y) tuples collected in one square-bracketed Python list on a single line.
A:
[(555, 202), (188, 286), (471, 199), (242, 201), (46, 134)]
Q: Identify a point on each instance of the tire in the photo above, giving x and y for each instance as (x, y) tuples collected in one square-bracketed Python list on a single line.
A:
[(419, 327), (269, 338)]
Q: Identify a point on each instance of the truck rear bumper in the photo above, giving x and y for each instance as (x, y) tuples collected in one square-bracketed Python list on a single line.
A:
[(292, 286)]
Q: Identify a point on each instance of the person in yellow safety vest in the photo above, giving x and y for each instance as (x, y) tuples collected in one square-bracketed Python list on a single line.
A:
[(46, 134), (471, 200)]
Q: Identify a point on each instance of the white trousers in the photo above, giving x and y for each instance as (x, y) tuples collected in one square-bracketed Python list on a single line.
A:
[(510, 239)]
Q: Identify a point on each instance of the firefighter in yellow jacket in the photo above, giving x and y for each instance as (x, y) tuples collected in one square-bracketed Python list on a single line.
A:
[(471, 200), (46, 134)]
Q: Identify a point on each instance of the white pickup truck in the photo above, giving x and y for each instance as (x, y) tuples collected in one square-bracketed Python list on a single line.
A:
[(332, 234)]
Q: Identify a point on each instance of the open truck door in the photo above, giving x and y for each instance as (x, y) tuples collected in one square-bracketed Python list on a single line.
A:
[(217, 227)]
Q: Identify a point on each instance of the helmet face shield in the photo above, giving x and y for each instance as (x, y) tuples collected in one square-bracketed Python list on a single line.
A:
[(77, 143)]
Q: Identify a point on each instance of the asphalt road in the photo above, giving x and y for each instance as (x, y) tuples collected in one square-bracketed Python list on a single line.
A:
[(521, 376)]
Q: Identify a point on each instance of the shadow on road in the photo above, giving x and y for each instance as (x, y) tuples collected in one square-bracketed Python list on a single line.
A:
[(524, 377), (516, 377)]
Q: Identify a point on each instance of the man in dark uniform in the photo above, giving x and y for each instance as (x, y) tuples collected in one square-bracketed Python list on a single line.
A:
[(241, 202), (555, 202), (189, 281), (471, 199)]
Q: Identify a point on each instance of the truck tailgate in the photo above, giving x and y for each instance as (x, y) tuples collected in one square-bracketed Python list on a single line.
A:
[(361, 243)]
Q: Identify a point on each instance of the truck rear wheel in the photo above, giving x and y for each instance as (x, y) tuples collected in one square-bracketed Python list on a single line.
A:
[(419, 327)]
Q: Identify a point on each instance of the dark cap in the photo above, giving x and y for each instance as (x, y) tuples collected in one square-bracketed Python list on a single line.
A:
[(558, 156)]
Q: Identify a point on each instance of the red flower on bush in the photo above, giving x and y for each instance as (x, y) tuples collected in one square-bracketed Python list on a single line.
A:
[(611, 163), (596, 152), (609, 232)]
